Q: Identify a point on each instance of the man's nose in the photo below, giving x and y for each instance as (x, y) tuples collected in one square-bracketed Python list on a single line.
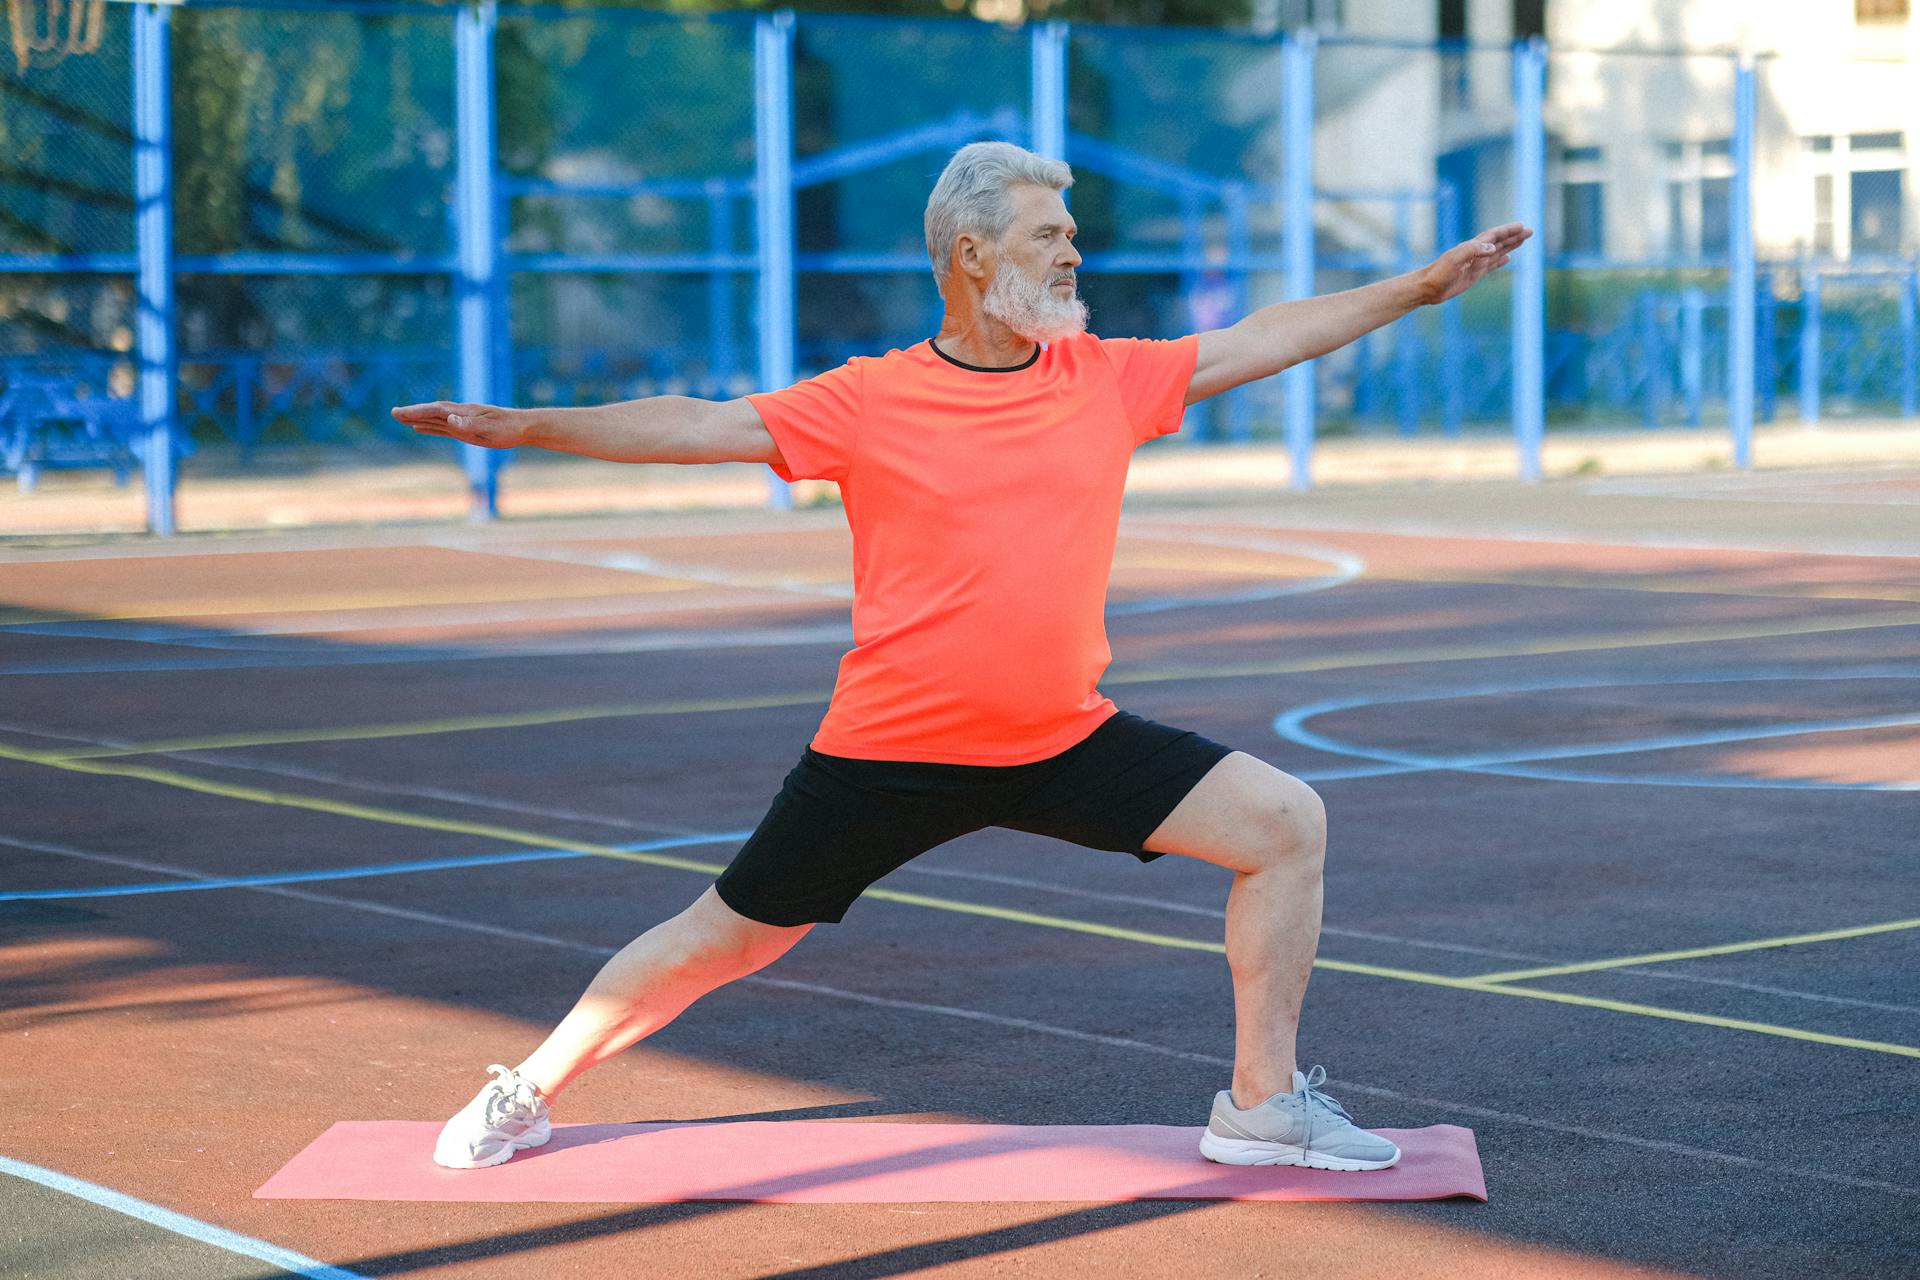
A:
[(1071, 258)]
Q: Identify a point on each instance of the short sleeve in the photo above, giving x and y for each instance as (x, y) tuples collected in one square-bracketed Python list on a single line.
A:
[(814, 423), (1154, 374)]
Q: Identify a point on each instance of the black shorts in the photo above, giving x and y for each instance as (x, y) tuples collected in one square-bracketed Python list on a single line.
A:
[(839, 824)]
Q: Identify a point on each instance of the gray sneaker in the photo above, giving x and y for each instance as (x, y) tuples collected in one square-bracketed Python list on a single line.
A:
[(506, 1116), (1304, 1127)]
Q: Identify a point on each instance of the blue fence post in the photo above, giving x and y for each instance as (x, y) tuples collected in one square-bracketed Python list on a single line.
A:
[(722, 355), (1239, 401), (1198, 423), (1740, 285), (1765, 360), (1693, 313), (1909, 356), (1296, 123), (1047, 108), (1809, 346), (1447, 222), (478, 312), (1529, 261), (1406, 336), (153, 226), (1652, 358), (773, 208)]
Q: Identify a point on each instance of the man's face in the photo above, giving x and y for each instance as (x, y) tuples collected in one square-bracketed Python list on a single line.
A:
[(1033, 290)]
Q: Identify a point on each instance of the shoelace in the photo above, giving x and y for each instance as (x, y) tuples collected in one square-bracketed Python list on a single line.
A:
[(506, 1098), (1317, 1101)]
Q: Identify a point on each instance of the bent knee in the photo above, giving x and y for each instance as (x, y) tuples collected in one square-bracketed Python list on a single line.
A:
[(1292, 821)]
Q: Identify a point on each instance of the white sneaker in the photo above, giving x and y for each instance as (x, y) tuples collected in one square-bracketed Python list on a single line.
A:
[(1304, 1127), (506, 1116)]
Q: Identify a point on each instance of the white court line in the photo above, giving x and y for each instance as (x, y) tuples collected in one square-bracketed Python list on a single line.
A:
[(1346, 568), (1067, 1033), (178, 1223), (637, 562)]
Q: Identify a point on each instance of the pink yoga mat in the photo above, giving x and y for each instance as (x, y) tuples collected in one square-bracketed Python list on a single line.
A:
[(840, 1162)]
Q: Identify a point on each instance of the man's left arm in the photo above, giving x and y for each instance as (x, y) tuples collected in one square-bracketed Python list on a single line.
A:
[(1287, 333)]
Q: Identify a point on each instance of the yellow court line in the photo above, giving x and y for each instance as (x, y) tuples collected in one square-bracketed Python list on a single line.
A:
[(401, 817), (1567, 644), (454, 724), (1730, 948), (1394, 657)]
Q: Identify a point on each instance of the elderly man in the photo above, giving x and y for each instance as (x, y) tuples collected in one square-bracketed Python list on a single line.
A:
[(982, 472)]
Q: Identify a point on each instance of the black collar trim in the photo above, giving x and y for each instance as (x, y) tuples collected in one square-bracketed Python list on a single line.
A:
[(978, 368)]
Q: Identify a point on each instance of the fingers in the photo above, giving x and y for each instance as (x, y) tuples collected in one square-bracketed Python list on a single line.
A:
[(439, 417)]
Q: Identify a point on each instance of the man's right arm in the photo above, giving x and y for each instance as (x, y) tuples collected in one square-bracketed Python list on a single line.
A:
[(657, 429)]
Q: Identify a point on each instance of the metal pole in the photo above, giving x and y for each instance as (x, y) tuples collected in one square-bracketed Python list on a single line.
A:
[(1239, 401), (1809, 346), (479, 243), (1652, 359), (1909, 347), (1047, 117), (1452, 353), (721, 353), (1296, 123), (773, 208), (1529, 261), (153, 226), (1693, 309), (1766, 363), (1406, 340), (1740, 285)]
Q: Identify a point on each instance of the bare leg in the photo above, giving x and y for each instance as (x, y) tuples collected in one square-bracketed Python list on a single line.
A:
[(649, 981), (1273, 931), (1270, 829)]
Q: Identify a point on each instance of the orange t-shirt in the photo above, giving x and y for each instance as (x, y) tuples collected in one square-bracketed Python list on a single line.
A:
[(984, 505)]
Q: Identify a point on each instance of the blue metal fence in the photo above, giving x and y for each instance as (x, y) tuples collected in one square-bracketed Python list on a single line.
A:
[(505, 202)]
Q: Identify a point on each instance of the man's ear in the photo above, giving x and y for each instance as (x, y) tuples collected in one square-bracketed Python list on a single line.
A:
[(969, 254)]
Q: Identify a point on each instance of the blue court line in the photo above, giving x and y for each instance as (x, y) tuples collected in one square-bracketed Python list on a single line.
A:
[(1292, 726), (178, 1223), (357, 873)]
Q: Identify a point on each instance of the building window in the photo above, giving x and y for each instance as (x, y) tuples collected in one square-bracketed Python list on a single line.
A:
[(1819, 142), (1453, 19), (1823, 213), (1577, 155), (1677, 218), (1876, 211), (1878, 141), (1580, 207), (1716, 222), (1880, 10), (1717, 147)]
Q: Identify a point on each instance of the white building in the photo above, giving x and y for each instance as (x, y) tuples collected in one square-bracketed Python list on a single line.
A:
[(1639, 163)]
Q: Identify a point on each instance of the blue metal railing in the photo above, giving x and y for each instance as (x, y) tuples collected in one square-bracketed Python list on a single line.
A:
[(1664, 353)]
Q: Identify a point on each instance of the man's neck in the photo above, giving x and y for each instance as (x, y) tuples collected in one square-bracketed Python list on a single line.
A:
[(983, 342)]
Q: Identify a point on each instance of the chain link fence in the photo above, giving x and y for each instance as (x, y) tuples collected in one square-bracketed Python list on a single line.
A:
[(321, 245)]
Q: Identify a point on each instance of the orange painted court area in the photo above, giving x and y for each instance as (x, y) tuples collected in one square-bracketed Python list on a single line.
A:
[(1623, 785)]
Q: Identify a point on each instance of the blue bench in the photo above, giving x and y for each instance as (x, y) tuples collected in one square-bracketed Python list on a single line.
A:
[(43, 425)]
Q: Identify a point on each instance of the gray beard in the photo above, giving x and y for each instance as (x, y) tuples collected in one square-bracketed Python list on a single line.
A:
[(1027, 306)]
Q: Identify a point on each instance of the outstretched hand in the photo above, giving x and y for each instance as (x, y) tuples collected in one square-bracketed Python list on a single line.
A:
[(482, 424), (1460, 268)]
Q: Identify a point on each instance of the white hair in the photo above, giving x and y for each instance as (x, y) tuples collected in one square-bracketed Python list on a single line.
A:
[(973, 195)]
